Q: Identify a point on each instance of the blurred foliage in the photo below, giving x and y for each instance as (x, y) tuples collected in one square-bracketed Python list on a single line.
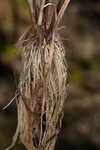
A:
[(81, 125)]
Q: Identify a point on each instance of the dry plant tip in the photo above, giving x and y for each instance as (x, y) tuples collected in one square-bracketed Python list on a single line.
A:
[(42, 83)]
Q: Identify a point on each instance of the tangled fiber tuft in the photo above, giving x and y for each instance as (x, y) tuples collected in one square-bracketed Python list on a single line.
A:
[(42, 87)]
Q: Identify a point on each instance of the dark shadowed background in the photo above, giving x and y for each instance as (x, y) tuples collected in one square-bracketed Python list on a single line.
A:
[(80, 32)]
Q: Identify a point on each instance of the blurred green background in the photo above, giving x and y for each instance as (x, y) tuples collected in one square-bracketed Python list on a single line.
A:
[(80, 35)]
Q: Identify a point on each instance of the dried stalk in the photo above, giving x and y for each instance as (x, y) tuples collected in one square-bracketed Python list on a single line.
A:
[(43, 78)]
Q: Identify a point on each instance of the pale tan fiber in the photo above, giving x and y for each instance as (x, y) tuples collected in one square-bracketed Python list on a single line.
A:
[(43, 80)]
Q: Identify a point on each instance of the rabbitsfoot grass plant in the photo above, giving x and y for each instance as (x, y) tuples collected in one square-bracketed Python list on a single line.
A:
[(43, 78)]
